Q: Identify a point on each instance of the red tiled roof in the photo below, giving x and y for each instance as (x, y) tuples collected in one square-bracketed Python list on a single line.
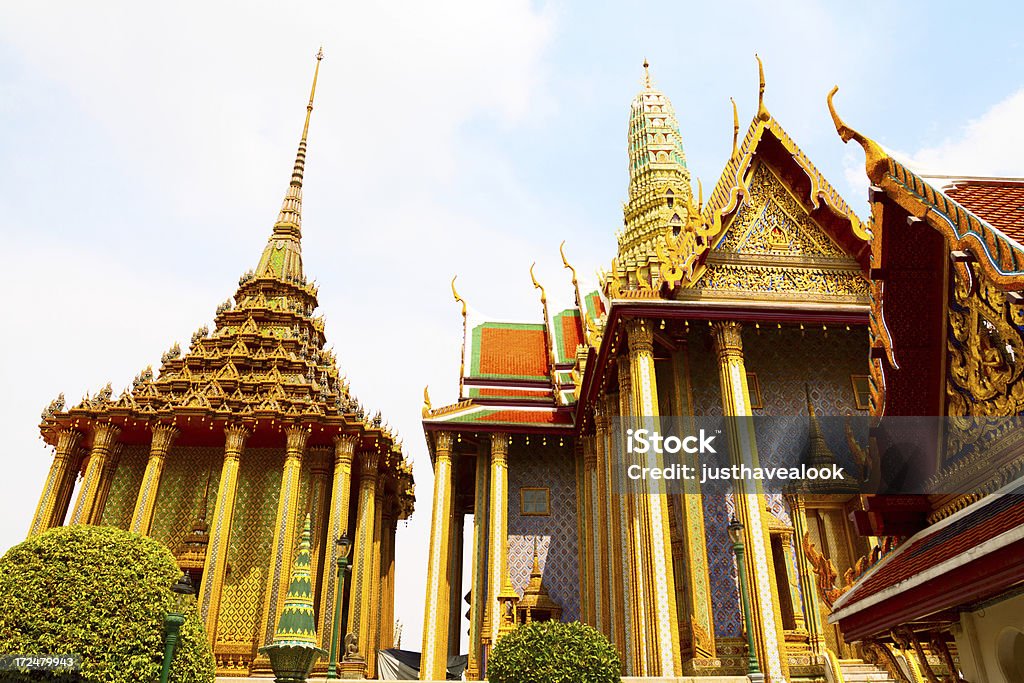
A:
[(1003, 513), (512, 351), (998, 201), (572, 335), (503, 392), (529, 417)]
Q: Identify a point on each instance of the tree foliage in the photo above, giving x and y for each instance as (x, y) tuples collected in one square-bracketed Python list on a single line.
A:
[(101, 593), (553, 652)]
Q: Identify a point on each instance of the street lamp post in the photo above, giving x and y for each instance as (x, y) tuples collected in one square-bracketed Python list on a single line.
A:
[(736, 536), (344, 546), (184, 594)]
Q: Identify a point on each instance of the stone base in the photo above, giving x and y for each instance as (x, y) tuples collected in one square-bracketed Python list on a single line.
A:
[(351, 670)]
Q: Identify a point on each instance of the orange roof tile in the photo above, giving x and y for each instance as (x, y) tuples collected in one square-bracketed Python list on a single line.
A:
[(998, 201), (506, 350)]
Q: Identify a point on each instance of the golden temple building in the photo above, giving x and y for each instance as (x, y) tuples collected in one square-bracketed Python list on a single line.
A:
[(222, 452), (765, 300)]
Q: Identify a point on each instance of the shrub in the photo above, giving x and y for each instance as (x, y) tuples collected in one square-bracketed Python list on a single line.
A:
[(101, 593), (553, 652)]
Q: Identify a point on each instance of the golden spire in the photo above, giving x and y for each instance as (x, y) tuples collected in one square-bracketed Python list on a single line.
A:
[(876, 160), (762, 111), (287, 262), (647, 75)]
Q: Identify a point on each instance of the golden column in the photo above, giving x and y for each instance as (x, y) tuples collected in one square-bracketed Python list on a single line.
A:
[(497, 562), (478, 593), (629, 520), (615, 525), (387, 575), (606, 614), (589, 478), (749, 501), (103, 437), (377, 586), (61, 478), (284, 527), (220, 531), (434, 660), (360, 608), (106, 479), (805, 575), (696, 584), (163, 436), (344, 452), (663, 618)]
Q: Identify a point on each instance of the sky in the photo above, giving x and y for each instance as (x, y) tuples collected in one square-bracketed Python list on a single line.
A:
[(145, 150)]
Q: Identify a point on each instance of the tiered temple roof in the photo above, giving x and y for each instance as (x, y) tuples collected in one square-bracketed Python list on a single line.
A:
[(265, 364)]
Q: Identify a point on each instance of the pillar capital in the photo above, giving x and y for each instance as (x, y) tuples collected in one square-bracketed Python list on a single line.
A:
[(320, 460), (67, 442), (104, 435), (499, 446), (296, 436), (345, 448), (163, 435), (443, 442), (601, 417), (640, 336), (728, 339), (235, 436), (369, 460)]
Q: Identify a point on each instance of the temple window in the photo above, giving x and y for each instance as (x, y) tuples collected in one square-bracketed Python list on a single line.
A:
[(535, 501), (754, 389), (861, 391)]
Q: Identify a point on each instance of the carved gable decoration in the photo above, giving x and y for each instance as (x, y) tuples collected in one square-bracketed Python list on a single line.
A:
[(772, 246)]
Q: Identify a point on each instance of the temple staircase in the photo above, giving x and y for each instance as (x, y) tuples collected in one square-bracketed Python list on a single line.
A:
[(859, 671)]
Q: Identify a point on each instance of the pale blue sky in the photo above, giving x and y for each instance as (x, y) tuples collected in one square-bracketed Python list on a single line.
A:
[(145, 151)]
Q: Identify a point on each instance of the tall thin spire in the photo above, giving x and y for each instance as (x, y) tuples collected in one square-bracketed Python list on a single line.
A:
[(283, 255)]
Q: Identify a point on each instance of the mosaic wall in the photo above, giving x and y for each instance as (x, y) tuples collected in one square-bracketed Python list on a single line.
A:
[(252, 535), (124, 490), (551, 467), (180, 497), (783, 362)]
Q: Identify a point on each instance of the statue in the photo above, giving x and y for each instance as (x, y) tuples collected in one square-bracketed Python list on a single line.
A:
[(351, 648)]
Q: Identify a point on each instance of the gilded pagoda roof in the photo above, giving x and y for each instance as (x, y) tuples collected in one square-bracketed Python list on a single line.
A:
[(265, 363)]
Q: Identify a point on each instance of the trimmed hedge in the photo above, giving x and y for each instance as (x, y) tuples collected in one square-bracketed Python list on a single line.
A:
[(553, 652), (101, 593)]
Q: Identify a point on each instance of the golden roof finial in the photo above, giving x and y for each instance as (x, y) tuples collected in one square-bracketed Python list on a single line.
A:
[(735, 129), (458, 298), (462, 357), (575, 282), (426, 401), (647, 75), (876, 160), (312, 91), (762, 111), (543, 294)]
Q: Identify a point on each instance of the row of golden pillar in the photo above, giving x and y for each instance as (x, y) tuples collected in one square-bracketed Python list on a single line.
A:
[(371, 603)]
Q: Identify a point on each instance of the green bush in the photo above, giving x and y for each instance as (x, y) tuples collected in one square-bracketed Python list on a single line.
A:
[(553, 652), (101, 593)]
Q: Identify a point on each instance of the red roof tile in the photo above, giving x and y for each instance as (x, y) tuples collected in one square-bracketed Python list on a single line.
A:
[(515, 351), (998, 201), (1002, 514), (572, 335), (529, 417)]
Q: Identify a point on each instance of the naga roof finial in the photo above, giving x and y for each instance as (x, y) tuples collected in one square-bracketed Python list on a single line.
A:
[(762, 111), (876, 160), (735, 129), (543, 294), (458, 298)]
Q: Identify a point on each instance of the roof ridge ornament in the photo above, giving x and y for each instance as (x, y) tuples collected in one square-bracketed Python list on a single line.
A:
[(462, 355), (735, 130), (762, 111), (876, 160)]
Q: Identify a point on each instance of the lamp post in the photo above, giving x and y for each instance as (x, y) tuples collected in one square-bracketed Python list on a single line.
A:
[(344, 546), (736, 536), (184, 595)]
